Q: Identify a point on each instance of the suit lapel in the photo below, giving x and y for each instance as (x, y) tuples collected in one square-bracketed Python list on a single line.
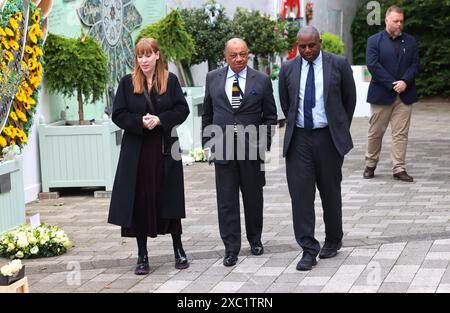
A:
[(249, 85), (296, 76), (326, 68), (223, 79)]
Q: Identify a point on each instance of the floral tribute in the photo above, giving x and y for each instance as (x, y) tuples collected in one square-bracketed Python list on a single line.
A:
[(21, 58), (42, 241)]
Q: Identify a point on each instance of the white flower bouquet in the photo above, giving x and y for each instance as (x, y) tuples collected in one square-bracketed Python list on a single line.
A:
[(198, 154), (11, 272), (43, 241)]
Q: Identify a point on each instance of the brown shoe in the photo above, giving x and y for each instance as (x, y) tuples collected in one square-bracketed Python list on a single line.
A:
[(403, 176), (369, 172)]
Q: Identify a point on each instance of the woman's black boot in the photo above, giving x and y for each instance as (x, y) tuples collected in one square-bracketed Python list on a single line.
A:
[(181, 260), (142, 266)]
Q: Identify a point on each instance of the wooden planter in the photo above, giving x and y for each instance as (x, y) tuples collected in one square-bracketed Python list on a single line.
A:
[(79, 155), (12, 200)]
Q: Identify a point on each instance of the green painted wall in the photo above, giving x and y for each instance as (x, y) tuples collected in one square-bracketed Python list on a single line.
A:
[(64, 20)]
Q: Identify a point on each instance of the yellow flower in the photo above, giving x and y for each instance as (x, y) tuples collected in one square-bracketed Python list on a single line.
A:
[(9, 32), (13, 115), (22, 116), (2, 142), (21, 96), (39, 68), (2, 32), (23, 137), (5, 43), (26, 88), (28, 49), (14, 45), (38, 51), (31, 101), (18, 16), (32, 63), (36, 17), (13, 23), (8, 56), (34, 80), (32, 34)]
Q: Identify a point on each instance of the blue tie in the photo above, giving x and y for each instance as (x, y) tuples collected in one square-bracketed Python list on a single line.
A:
[(310, 97)]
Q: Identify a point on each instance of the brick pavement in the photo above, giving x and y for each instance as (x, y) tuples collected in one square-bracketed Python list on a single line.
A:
[(396, 235)]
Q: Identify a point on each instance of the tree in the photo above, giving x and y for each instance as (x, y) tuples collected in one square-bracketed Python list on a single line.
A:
[(76, 66), (175, 43), (209, 28), (261, 34)]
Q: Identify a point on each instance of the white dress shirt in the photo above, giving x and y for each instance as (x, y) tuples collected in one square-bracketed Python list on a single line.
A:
[(242, 76), (318, 112)]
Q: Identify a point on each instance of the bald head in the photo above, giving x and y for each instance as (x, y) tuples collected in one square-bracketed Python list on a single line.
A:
[(235, 42), (309, 43), (308, 31), (236, 54)]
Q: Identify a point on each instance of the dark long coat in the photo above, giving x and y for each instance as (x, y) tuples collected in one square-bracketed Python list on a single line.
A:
[(128, 109)]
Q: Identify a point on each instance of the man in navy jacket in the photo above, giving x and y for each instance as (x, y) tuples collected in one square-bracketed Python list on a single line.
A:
[(393, 60)]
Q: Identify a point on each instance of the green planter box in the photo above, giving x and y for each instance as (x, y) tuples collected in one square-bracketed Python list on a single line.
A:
[(79, 155), (12, 199), (189, 133)]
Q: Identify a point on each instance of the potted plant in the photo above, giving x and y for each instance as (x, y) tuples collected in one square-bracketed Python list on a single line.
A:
[(175, 43), (210, 28), (77, 153)]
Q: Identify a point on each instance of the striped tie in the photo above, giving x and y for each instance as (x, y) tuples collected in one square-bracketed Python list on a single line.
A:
[(236, 94)]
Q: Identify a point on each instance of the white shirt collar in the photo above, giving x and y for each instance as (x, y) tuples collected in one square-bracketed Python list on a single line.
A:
[(241, 74)]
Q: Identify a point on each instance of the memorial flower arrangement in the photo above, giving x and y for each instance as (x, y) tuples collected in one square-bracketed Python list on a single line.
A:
[(11, 272), (17, 35), (42, 241), (11, 268), (198, 154)]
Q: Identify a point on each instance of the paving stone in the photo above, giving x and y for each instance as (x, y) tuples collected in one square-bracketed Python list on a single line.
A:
[(393, 231), (393, 287), (173, 286)]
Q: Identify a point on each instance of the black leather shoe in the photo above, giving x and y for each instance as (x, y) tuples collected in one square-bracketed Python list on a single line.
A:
[(181, 260), (329, 250), (306, 262), (369, 172), (257, 248), (230, 259), (403, 176), (142, 266)]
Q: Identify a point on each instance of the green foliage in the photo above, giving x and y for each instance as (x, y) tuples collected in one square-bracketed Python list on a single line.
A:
[(428, 21), (75, 67), (257, 30), (332, 43), (210, 33), (175, 43)]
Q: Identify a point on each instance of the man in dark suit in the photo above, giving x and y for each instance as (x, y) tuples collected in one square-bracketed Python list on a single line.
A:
[(318, 97), (239, 110), (393, 60)]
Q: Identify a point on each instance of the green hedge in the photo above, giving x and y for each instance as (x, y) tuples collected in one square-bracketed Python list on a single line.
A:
[(429, 22), (332, 43)]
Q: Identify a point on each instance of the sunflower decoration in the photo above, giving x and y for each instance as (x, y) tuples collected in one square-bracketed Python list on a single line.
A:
[(21, 58)]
